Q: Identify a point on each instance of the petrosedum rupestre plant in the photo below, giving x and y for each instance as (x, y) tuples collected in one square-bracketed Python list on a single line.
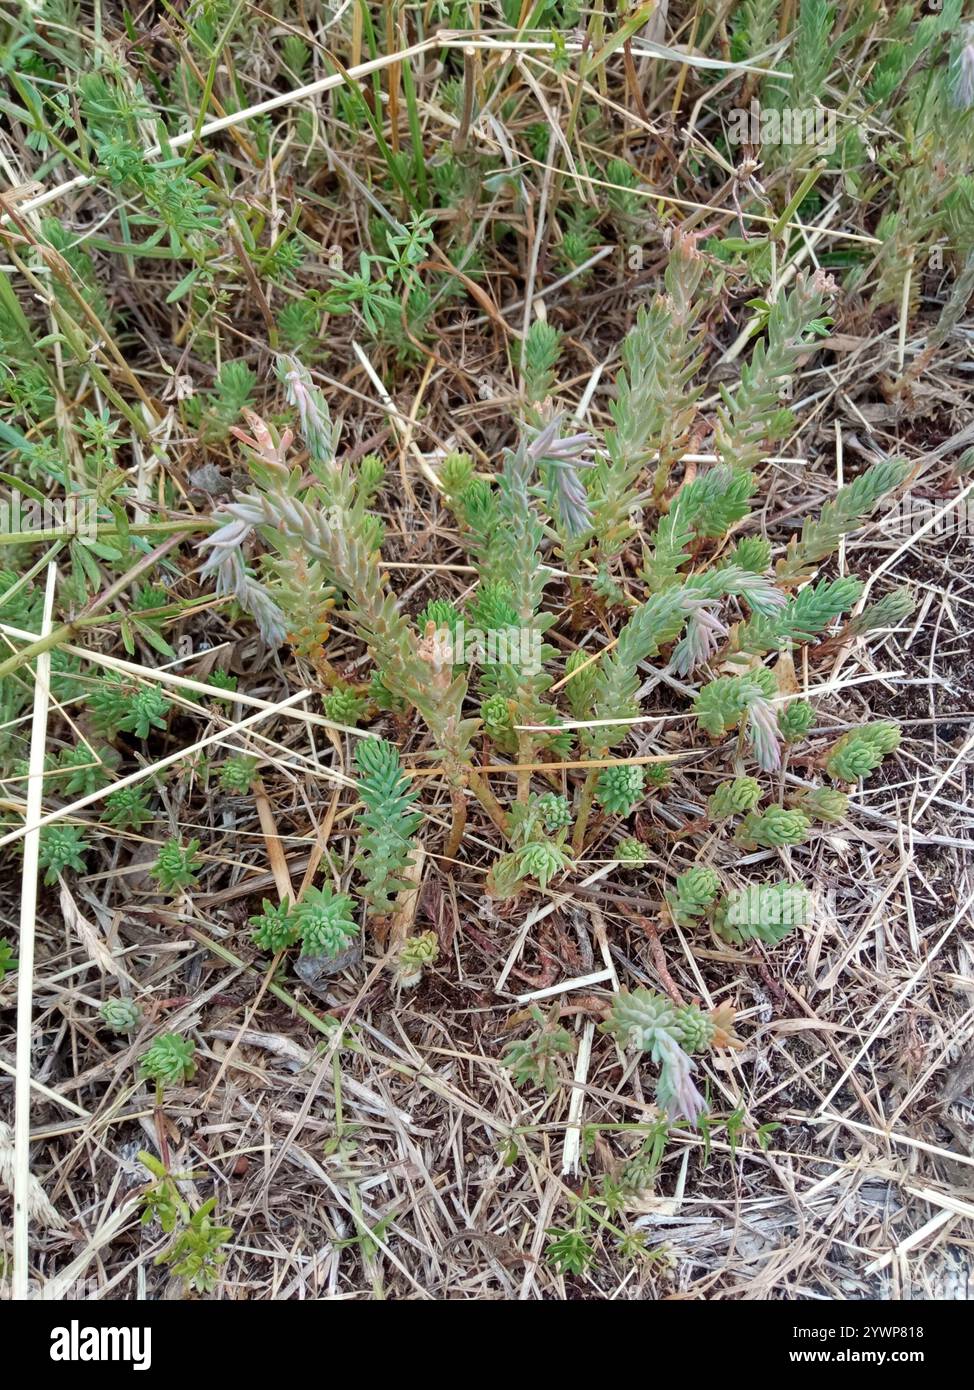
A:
[(711, 610), (388, 822), (670, 1033), (169, 1061), (415, 954), (121, 1015), (861, 751), (765, 912)]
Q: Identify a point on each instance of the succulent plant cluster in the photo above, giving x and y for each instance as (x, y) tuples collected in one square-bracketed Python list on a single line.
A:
[(415, 953), (322, 922), (176, 865), (121, 1015), (712, 611), (670, 1033), (170, 1060)]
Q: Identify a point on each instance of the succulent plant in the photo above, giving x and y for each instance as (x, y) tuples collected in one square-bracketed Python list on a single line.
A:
[(496, 715), (275, 927), (773, 828), (734, 798), (543, 860), (148, 710), (762, 912), (725, 703), (128, 809), (795, 720), (169, 1060), (325, 923), (581, 680), (822, 803), (751, 553), (237, 774), (669, 1033), (554, 811), (389, 822), (176, 865), (8, 961), (632, 851), (86, 769), (712, 610), (121, 1015), (889, 611), (620, 788), (861, 751), (415, 953), (345, 706), (533, 1060), (695, 891), (61, 847)]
